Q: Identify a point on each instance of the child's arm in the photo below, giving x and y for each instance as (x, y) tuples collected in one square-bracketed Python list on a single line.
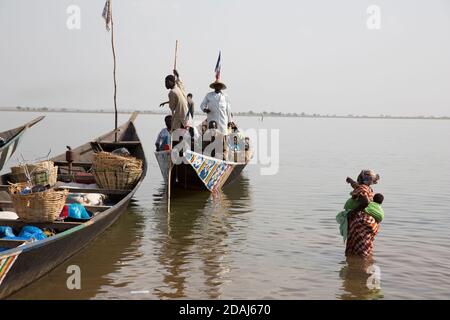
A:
[(352, 182)]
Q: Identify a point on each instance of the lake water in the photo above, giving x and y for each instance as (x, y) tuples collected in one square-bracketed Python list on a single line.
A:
[(268, 237)]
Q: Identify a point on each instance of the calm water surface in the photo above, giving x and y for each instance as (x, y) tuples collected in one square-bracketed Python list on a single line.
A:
[(268, 236)]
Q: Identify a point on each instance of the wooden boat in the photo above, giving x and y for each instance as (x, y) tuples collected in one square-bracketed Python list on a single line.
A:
[(24, 262), (11, 140), (200, 172)]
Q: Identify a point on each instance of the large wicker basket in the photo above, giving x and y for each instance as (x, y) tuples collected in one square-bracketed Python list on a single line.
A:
[(116, 172), (36, 207), (42, 173)]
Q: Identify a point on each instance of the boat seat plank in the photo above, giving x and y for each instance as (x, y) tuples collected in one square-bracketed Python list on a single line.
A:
[(56, 225), (11, 243), (83, 190), (118, 143), (5, 204), (8, 204), (95, 190), (74, 164)]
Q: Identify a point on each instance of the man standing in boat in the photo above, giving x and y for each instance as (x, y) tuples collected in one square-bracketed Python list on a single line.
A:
[(217, 107), (177, 101)]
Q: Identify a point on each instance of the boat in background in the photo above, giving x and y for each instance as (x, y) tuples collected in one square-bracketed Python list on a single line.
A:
[(11, 140), (24, 262)]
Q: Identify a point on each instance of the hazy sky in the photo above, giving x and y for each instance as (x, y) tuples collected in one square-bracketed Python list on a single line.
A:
[(290, 56)]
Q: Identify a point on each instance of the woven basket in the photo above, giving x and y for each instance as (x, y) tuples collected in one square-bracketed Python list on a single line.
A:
[(35, 207), (39, 177), (43, 173), (116, 172), (39, 166)]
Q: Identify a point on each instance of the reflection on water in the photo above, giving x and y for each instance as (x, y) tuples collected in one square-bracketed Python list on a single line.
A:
[(198, 223), (361, 279), (268, 237)]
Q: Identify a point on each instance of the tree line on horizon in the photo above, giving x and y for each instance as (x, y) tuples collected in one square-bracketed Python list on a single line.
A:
[(244, 113)]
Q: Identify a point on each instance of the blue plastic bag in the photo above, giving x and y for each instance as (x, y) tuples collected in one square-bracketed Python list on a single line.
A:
[(78, 211), (6, 232), (31, 232), (16, 238)]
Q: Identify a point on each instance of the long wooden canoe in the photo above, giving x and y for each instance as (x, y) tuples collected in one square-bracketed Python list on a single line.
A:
[(200, 172), (12, 138), (26, 262)]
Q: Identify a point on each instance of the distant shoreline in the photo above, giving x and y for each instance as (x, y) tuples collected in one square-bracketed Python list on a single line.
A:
[(241, 114)]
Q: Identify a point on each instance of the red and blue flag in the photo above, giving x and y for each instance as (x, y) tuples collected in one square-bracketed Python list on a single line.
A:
[(218, 66)]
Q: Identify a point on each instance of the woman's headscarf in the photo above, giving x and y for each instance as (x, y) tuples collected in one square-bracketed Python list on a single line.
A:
[(368, 177)]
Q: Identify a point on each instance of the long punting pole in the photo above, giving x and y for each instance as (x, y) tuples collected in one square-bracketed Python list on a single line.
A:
[(169, 176), (114, 74)]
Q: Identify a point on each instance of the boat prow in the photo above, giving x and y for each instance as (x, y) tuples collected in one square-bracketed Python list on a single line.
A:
[(12, 139)]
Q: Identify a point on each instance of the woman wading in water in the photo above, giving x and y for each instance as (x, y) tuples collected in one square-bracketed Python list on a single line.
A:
[(362, 215)]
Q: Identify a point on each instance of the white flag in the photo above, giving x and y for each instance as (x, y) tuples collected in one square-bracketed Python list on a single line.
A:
[(107, 14)]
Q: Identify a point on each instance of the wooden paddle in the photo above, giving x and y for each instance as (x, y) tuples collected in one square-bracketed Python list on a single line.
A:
[(169, 176)]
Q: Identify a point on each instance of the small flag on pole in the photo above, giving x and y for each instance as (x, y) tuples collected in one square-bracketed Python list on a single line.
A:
[(218, 66), (107, 14)]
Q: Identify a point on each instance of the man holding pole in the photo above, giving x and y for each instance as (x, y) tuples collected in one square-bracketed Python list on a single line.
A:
[(177, 102)]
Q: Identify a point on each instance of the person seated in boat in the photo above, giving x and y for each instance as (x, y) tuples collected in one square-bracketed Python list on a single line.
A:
[(163, 139), (234, 131), (195, 139), (177, 101), (235, 145), (210, 141), (189, 139), (191, 105), (204, 127), (247, 143)]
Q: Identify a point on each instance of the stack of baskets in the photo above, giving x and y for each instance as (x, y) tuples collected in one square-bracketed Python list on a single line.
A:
[(36, 207), (116, 172), (41, 173)]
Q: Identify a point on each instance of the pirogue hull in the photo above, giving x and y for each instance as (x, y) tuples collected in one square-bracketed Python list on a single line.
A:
[(28, 262)]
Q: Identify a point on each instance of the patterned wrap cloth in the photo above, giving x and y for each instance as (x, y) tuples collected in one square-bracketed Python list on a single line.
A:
[(362, 228)]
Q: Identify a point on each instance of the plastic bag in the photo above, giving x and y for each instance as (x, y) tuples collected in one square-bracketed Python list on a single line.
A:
[(31, 232), (77, 211), (6, 232), (122, 152)]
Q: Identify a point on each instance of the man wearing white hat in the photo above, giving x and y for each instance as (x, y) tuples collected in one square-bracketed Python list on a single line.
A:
[(217, 107)]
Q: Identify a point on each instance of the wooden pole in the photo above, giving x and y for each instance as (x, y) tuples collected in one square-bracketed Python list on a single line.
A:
[(169, 176), (176, 56), (114, 74)]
